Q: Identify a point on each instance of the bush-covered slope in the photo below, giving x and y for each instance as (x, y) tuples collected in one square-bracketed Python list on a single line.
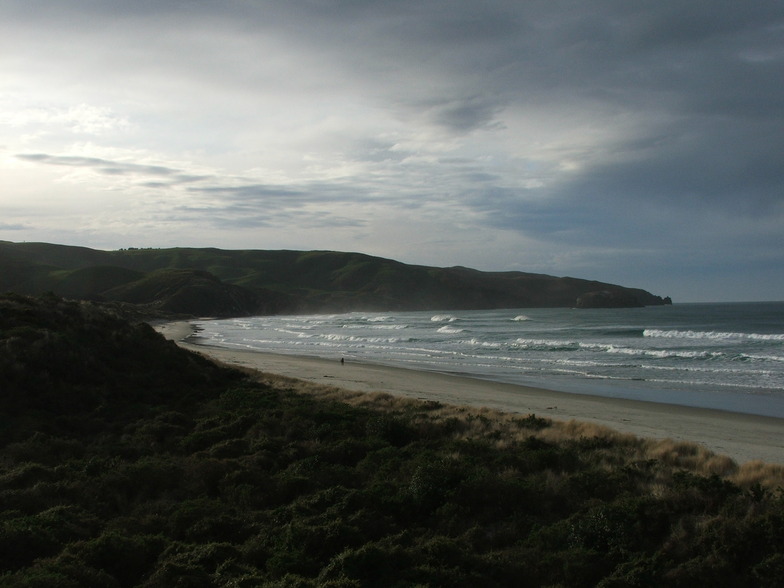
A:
[(68, 364), (125, 461), (260, 282), (195, 292)]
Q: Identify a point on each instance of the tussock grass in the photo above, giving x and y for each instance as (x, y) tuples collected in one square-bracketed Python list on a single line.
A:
[(510, 429), (769, 476), (690, 456)]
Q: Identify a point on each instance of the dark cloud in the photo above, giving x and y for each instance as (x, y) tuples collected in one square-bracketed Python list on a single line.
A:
[(258, 216), (247, 195), (711, 163), (461, 115), (252, 192)]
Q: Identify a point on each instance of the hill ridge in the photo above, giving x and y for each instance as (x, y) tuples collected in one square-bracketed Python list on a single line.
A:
[(220, 282)]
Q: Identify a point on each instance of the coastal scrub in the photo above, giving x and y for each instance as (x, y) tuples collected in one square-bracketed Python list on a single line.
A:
[(127, 461)]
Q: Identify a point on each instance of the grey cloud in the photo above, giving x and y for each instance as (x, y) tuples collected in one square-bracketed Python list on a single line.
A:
[(251, 195), (247, 216), (252, 192), (111, 168), (711, 163), (242, 196), (463, 114), (371, 149), (491, 54)]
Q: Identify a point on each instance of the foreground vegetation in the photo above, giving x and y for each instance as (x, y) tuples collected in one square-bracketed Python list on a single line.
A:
[(127, 461)]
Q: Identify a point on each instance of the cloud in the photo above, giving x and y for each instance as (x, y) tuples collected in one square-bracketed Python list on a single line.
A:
[(596, 137), (461, 115), (112, 168), (81, 118)]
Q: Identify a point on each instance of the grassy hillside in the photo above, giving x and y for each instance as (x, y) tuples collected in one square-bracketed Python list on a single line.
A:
[(224, 282), (126, 461)]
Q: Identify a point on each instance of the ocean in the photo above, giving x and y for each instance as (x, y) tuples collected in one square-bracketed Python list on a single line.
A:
[(727, 356)]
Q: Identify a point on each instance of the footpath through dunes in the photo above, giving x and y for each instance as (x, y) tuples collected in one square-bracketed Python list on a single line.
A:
[(742, 437)]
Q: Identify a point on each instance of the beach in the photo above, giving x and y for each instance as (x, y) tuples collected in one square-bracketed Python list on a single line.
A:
[(742, 437)]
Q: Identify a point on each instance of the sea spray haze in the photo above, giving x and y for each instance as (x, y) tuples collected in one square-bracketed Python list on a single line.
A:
[(725, 356)]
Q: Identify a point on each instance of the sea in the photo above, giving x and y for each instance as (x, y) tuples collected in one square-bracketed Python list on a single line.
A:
[(725, 356)]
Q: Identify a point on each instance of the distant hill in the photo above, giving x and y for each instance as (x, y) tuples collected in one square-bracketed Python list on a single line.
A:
[(216, 282)]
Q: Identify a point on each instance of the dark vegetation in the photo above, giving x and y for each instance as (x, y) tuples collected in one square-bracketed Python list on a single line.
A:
[(127, 461), (215, 282)]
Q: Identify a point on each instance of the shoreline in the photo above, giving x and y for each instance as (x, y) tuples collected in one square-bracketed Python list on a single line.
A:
[(743, 437)]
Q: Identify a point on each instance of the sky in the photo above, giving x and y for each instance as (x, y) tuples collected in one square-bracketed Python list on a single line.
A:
[(638, 143)]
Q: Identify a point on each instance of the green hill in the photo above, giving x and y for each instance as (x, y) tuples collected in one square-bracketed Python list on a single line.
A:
[(218, 282), (127, 461)]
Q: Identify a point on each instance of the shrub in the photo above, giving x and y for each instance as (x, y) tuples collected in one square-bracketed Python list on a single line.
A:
[(127, 559), (24, 539)]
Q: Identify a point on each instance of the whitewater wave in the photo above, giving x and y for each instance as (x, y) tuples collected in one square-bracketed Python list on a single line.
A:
[(663, 353), (521, 317), (376, 327), (555, 345), (443, 318), (758, 357), (546, 345), (677, 334), (474, 342), (449, 330), (359, 339), (287, 331)]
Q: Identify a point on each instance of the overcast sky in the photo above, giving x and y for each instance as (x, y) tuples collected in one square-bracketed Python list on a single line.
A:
[(639, 143)]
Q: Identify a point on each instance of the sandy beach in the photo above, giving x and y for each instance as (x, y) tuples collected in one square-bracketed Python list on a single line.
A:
[(740, 436)]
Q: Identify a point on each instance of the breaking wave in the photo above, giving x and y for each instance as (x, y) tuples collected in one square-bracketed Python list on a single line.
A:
[(677, 334), (449, 330), (443, 318)]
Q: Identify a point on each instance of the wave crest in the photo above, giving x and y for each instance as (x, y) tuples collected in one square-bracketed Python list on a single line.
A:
[(449, 330), (443, 318), (677, 334)]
